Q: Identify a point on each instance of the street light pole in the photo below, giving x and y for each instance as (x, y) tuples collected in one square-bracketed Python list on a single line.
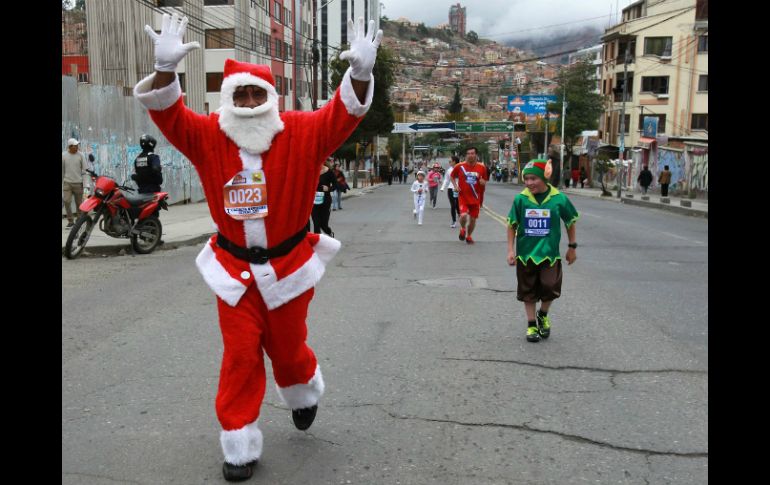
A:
[(623, 119)]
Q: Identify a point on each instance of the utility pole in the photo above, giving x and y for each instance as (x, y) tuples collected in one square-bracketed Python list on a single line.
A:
[(623, 118), (315, 55), (547, 119), (563, 114)]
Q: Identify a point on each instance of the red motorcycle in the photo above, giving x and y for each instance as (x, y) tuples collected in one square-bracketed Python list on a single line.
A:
[(120, 215)]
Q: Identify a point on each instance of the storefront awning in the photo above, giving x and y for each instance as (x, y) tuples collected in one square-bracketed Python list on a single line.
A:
[(645, 143)]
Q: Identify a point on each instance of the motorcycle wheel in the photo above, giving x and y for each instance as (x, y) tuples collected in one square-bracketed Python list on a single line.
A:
[(79, 235), (150, 231)]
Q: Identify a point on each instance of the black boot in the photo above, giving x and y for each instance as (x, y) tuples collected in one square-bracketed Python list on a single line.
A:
[(238, 473), (304, 417)]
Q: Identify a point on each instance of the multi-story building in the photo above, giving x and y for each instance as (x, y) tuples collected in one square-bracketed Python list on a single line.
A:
[(457, 19), (273, 32), (594, 56), (74, 43), (667, 45), (332, 21)]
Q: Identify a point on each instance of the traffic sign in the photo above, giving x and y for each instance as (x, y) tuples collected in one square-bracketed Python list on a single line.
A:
[(423, 127)]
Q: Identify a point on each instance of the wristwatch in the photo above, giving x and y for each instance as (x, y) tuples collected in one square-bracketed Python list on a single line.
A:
[(573, 245)]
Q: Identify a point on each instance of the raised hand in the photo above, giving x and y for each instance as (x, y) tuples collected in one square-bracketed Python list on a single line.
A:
[(363, 49), (169, 49)]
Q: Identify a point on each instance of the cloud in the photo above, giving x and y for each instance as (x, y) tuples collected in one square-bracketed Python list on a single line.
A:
[(504, 19)]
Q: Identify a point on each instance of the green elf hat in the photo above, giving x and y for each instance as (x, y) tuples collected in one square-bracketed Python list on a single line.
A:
[(540, 168)]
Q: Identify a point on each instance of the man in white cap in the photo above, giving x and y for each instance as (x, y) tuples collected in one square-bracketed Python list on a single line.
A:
[(259, 169), (73, 168)]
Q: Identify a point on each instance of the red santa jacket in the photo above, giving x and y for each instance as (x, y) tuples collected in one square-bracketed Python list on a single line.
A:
[(291, 165)]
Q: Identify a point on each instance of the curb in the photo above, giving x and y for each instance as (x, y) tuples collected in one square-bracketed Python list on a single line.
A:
[(115, 249), (671, 208)]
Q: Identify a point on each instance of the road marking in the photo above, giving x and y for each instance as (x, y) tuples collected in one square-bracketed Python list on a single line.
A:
[(494, 215)]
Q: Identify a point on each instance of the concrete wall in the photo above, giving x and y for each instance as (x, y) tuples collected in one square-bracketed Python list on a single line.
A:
[(109, 125)]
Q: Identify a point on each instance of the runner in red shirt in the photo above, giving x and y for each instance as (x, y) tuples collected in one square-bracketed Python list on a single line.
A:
[(469, 178)]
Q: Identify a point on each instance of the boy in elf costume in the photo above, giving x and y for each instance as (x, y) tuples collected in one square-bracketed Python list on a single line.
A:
[(534, 223)]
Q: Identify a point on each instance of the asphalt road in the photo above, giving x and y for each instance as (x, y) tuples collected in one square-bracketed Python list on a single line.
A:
[(421, 341)]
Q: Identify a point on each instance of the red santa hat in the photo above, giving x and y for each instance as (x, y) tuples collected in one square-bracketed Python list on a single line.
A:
[(245, 74)]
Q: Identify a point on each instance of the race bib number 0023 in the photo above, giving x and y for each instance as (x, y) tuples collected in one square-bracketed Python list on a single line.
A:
[(537, 222), (246, 195)]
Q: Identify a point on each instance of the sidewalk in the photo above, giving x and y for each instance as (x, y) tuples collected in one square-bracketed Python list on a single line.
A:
[(183, 224), (680, 205)]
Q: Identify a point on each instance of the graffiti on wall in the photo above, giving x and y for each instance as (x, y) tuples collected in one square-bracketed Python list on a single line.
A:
[(699, 172), (676, 164), (108, 125)]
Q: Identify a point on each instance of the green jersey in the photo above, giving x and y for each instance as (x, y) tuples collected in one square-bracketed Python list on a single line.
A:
[(537, 226)]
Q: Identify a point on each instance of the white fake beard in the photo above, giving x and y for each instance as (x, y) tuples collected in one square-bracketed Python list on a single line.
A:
[(252, 129)]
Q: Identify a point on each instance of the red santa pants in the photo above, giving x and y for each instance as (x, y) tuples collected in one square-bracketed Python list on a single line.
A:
[(249, 327)]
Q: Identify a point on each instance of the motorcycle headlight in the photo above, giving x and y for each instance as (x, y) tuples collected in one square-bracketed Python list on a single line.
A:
[(99, 193)]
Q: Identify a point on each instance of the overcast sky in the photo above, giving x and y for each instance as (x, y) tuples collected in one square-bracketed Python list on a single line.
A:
[(502, 19)]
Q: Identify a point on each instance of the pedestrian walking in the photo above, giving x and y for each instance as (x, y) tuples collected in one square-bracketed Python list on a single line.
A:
[(452, 194), (664, 179)]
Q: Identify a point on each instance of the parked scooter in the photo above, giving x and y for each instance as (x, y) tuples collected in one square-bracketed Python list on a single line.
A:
[(120, 214)]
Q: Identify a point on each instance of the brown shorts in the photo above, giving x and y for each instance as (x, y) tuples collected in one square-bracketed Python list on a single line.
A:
[(538, 281)]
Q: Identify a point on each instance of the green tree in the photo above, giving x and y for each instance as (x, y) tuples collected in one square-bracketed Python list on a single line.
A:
[(379, 119), (472, 37), (483, 101), (456, 106), (423, 30), (395, 146), (583, 105)]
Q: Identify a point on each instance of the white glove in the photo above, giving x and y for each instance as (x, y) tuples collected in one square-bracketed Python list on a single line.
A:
[(169, 49), (363, 50)]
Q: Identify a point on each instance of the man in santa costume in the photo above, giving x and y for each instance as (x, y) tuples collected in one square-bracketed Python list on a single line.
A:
[(259, 169)]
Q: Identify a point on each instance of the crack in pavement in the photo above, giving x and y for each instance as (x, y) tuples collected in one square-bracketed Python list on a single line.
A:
[(591, 369), (92, 475), (566, 436), (321, 439)]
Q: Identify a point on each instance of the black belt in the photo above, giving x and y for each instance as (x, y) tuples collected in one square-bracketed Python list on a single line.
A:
[(260, 255)]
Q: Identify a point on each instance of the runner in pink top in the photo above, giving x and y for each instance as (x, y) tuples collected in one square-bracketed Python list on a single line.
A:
[(434, 179)]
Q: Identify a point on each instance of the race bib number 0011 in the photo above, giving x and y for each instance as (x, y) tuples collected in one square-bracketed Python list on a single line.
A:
[(537, 222), (246, 195)]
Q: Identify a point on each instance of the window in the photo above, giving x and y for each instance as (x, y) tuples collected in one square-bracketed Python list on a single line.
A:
[(169, 3), (220, 38), (278, 45), (253, 39), (703, 43), (277, 11), (618, 91), (626, 127), (266, 42), (700, 122), (622, 51), (279, 85), (655, 84), (661, 122), (213, 82), (212, 3), (286, 16), (657, 46), (703, 83), (182, 83), (285, 51), (83, 78)]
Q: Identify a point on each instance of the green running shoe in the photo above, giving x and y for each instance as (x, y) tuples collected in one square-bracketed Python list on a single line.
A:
[(532, 334), (543, 325)]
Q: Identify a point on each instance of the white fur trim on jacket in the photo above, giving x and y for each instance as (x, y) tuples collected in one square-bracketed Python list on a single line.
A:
[(349, 98), (300, 396), (216, 276), (157, 99), (243, 445), (276, 292)]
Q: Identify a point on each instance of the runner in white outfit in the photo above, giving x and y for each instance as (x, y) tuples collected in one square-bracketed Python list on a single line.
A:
[(420, 189)]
